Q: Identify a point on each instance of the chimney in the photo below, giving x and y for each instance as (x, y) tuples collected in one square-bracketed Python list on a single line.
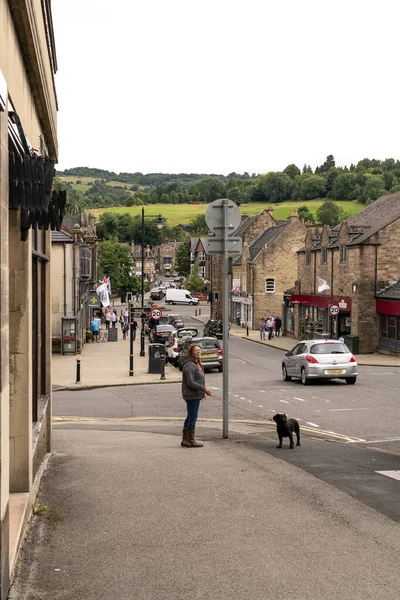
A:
[(293, 215)]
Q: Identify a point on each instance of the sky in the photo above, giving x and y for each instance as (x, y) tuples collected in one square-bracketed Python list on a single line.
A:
[(221, 86)]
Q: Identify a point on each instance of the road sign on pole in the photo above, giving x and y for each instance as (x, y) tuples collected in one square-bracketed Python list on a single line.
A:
[(223, 218), (334, 310), (156, 314)]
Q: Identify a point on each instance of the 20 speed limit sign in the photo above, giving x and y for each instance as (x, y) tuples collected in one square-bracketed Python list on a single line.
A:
[(156, 314), (334, 310)]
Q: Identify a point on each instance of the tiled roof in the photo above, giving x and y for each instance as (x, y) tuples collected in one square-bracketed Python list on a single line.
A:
[(61, 236), (244, 225), (193, 243), (374, 217), (392, 292), (265, 238)]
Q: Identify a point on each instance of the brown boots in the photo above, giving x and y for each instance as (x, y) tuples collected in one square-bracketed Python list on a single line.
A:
[(188, 439)]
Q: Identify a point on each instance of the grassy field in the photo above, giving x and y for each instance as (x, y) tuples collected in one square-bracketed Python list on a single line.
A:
[(82, 187), (184, 213)]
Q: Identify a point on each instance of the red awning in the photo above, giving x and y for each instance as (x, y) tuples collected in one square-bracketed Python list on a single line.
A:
[(388, 307), (343, 303)]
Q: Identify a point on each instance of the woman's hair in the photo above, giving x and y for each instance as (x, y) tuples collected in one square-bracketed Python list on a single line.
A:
[(191, 348)]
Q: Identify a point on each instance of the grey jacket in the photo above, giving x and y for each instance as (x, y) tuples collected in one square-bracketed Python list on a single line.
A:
[(193, 381)]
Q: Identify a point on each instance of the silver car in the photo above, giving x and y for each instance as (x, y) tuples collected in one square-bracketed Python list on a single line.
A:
[(320, 359)]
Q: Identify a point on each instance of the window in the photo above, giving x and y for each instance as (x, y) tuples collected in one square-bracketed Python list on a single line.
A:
[(85, 262), (270, 285), (201, 256), (202, 272), (191, 257), (324, 256), (343, 253), (308, 257)]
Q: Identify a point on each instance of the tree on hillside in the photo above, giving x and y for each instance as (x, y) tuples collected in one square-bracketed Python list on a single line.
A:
[(275, 186), (307, 169), (182, 258), (330, 214), (198, 226), (305, 214), (208, 190), (115, 261), (346, 187), (308, 187), (107, 227), (328, 164), (292, 171), (374, 188)]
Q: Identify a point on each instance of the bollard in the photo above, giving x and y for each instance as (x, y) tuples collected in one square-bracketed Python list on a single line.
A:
[(247, 330), (195, 312), (163, 368), (199, 311), (78, 370)]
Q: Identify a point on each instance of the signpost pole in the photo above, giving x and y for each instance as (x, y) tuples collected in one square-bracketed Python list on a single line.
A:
[(225, 293), (131, 318)]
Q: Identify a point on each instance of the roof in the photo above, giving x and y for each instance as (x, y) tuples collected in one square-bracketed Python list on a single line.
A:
[(61, 236), (244, 225), (392, 292), (265, 238), (193, 243), (373, 218)]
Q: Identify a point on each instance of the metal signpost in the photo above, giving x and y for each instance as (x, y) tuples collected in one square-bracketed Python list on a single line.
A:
[(223, 218), (156, 315)]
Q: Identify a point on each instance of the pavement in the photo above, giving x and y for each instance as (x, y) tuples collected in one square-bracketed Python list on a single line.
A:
[(127, 513), (107, 364)]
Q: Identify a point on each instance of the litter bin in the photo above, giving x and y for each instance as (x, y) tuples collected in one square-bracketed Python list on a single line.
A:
[(352, 343), (156, 355)]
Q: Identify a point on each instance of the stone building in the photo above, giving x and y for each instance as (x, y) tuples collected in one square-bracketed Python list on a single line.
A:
[(198, 254), (74, 280), (28, 208), (266, 268), (166, 257), (358, 263), (149, 263)]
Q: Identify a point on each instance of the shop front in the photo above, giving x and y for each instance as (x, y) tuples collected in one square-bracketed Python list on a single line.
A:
[(389, 324), (242, 311), (325, 317)]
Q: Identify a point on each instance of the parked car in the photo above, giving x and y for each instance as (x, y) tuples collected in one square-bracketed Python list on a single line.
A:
[(211, 353), (157, 294), (214, 328), (175, 341), (174, 296), (320, 359), (176, 321), (162, 335), (151, 322)]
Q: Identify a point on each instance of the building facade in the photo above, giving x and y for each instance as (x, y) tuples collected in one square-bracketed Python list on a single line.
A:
[(149, 263), (166, 258), (28, 209), (344, 274)]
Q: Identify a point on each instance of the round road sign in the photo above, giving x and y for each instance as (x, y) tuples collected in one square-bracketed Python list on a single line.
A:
[(156, 314), (334, 310), (214, 215)]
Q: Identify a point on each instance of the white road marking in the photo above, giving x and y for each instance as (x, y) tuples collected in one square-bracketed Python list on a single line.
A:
[(284, 401), (327, 400), (314, 397), (341, 409), (215, 388), (242, 398), (318, 410), (392, 474), (382, 441), (312, 424), (236, 395), (263, 391), (251, 401), (245, 361), (260, 406), (301, 399)]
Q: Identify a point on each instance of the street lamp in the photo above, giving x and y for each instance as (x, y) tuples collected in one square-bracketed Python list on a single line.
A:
[(160, 225)]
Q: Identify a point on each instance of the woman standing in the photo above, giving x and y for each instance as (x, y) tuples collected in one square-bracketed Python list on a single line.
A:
[(194, 391)]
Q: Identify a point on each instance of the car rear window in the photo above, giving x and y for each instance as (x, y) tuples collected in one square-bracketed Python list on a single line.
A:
[(330, 348), (208, 344)]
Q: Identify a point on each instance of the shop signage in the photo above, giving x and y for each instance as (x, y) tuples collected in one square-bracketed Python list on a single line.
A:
[(94, 301), (344, 304)]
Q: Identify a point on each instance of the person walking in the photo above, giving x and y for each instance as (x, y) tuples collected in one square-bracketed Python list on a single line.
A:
[(134, 327), (95, 330), (194, 391), (108, 319), (278, 325), (270, 327), (126, 315), (113, 318), (262, 329), (121, 321)]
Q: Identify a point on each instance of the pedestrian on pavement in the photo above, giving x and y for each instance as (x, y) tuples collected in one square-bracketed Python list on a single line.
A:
[(126, 315), (134, 327), (262, 329), (121, 321), (270, 327), (95, 330), (125, 329), (194, 391), (108, 319), (114, 318), (137, 296), (278, 325)]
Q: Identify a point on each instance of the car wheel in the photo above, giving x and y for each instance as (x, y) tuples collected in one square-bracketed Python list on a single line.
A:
[(351, 380), (285, 376), (304, 378), (220, 368), (190, 303)]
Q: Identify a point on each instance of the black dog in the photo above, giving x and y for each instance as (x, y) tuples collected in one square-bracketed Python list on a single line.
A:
[(285, 428)]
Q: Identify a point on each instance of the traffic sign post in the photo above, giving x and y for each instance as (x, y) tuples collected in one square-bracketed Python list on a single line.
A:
[(223, 218), (156, 315), (334, 310)]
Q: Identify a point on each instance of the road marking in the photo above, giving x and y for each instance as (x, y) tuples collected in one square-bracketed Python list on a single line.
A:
[(284, 401), (327, 400), (381, 441), (215, 388), (312, 424), (392, 474), (236, 395), (341, 409), (251, 401), (260, 406), (318, 410), (263, 391), (245, 361), (241, 397), (301, 399)]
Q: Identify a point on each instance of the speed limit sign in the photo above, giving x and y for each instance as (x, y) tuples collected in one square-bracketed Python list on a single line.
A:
[(156, 314), (334, 310)]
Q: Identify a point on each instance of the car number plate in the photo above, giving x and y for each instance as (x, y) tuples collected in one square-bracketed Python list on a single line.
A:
[(335, 371), (206, 355)]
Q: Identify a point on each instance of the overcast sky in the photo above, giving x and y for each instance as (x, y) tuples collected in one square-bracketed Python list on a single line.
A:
[(179, 86)]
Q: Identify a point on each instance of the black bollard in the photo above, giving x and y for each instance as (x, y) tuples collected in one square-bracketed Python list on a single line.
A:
[(199, 311), (78, 370), (131, 351), (163, 368), (247, 330)]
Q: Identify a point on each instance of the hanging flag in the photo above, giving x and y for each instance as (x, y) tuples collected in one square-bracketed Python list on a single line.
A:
[(102, 291), (322, 285)]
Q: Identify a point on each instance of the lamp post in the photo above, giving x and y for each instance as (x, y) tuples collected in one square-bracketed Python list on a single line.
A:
[(160, 225)]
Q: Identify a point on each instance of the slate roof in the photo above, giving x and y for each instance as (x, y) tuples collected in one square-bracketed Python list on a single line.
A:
[(392, 292), (193, 243), (61, 236), (244, 225), (265, 238)]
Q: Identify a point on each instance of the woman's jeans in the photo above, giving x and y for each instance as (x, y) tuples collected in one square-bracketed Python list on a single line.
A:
[(192, 412)]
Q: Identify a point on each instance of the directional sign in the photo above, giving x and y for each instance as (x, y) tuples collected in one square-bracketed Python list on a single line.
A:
[(214, 216), (214, 245), (334, 310), (156, 314)]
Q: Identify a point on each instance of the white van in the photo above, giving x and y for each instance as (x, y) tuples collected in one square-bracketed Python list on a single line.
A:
[(174, 296)]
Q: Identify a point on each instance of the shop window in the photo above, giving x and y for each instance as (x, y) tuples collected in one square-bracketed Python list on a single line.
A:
[(85, 262), (270, 285), (391, 333), (308, 257), (383, 326), (343, 253), (324, 255)]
